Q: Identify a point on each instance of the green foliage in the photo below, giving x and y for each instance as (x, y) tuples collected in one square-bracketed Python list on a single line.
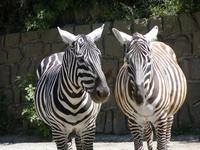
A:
[(166, 8), (18, 15), (42, 20), (29, 113)]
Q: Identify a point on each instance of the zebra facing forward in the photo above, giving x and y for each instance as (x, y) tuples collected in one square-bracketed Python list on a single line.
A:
[(70, 90), (150, 87)]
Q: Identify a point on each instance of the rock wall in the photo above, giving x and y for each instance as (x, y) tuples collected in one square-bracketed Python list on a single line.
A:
[(20, 53)]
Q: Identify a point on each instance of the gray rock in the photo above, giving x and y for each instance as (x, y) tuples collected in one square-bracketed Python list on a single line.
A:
[(5, 76), (181, 44), (171, 25), (112, 47), (109, 122), (12, 40), (29, 37), (33, 50), (49, 36), (82, 29), (124, 26), (191, 68), (3, 57), (188, 24), (120, 124), (14, 55), (196, 43), (100, 123)]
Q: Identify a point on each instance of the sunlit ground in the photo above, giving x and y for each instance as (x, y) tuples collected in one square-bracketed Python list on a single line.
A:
[(104, 142)]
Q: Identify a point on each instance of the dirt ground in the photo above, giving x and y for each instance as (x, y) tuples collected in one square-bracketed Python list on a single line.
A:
[(103, 142)]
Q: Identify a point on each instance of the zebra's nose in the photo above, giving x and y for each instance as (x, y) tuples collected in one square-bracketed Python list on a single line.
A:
[(103, 92)]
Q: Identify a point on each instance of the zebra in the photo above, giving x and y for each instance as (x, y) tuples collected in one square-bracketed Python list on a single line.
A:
[(70, 90), (150, 87)]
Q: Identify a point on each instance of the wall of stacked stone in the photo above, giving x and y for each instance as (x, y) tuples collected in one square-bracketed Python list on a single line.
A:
[(20, 53)]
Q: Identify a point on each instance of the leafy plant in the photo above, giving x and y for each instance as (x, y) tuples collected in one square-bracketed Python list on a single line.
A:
[(29, 113), (18, 15), (166, 8), (42, 20)]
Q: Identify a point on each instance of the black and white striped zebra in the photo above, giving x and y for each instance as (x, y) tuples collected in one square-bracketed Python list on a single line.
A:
[(150, 87), (70, 90)]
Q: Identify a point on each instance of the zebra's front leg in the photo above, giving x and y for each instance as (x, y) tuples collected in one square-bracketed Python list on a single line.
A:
[(149, 135), (137, 132), (161, 130), (78, 143), (168, 131), (86, 140), (61, 140)]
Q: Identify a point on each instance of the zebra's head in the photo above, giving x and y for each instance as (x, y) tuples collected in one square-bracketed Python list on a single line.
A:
[(83, 64), (138, 50), (138, 57)]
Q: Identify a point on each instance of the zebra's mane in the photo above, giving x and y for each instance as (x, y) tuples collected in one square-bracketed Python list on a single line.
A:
[(138, 42)]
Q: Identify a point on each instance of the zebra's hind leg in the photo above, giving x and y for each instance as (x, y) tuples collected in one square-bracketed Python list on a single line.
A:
[(168, 131), (137, 132), (149, 135)]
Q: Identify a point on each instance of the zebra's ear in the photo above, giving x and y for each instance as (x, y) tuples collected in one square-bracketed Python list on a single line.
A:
[(152, 34), (96, 34), (67, 37), (122, 37)]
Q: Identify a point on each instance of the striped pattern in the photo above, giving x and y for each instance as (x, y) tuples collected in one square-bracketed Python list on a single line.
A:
[(66, 91), (150, 89)]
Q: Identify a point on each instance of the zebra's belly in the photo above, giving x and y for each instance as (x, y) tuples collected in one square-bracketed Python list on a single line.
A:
[(74, 129), (144, 112)]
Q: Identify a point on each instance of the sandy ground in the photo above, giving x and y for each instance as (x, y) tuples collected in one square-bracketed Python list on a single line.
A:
[(104, 142), (97, 146)]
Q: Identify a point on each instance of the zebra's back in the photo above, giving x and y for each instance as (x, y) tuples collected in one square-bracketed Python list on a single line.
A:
[(48, 62), (175, 84), (47, 73)]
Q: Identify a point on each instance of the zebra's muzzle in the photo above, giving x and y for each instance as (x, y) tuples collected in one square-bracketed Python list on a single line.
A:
[(101, 94)]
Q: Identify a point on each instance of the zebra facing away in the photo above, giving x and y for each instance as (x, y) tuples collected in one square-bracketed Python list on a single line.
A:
[(150, 87), (70, 90)]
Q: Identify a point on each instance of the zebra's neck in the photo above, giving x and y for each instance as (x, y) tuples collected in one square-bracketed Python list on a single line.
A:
[(68, 89)]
